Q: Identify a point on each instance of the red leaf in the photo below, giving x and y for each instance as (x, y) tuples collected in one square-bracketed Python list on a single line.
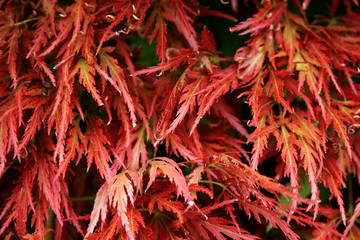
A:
[(78, 13), (222, 81), (125, 11), (116, 78), (267, 16), (86, 78), (97, 150), (64, 32), (31, 128), (163, 201), (51, 189), (120, 189), (178, 148), (324, 61), (187, 102), (338, 118), (354, 217), (276, 87), (12, 56), (73, 147), (100, 208), (61, 114), (218, 228), (227, 113), (208, 41), (183, 22), (291, 42), (166, 166), (333, 178), (159, 32), (185, 55)]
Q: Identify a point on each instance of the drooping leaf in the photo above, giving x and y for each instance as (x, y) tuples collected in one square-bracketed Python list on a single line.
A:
[(164, 165), (116, 78), (75, 147), (219, 228), (97, 150), (120, 189), (86, 78), (100, 208)]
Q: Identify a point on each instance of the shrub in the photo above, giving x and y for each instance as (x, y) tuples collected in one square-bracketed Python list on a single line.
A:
[(179, 119)]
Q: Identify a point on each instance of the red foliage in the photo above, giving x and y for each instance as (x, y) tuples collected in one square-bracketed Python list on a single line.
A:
[(172, 156)]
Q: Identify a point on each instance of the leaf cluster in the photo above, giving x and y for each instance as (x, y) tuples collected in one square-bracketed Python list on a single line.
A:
[(96, 144)]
